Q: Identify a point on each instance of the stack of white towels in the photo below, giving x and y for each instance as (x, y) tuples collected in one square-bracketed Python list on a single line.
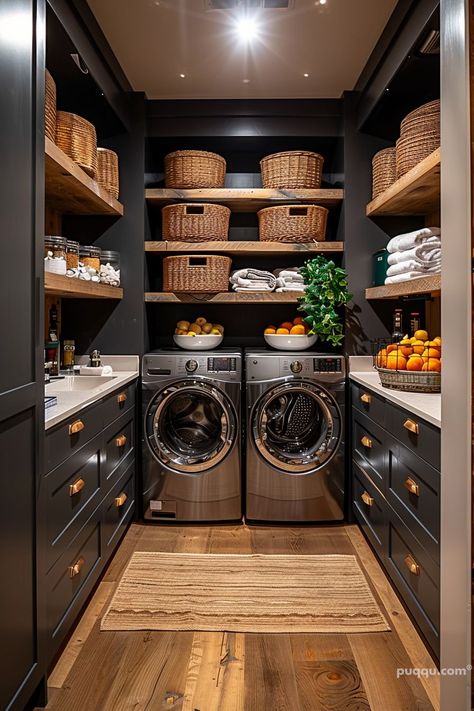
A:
[(289, 279), (282, 280), (414, 254)]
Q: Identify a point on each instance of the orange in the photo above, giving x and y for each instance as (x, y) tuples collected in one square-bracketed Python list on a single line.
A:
[(270, 330), (272, 326), (283, 331), (421, 335), (297, 330), (431, 353), (415, 362), (405, 351), (437, 340), (433, 364), (433, 344), (396, 362), (382, 358), (418, 346), (392, 347), (286, 324), (298, 321)]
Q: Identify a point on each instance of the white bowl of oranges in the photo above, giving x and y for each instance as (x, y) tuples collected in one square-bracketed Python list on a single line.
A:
[(289, 336), (415, 361), (198, 335)]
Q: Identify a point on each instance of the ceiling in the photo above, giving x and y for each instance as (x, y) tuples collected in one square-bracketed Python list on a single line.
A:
[(156, 41)]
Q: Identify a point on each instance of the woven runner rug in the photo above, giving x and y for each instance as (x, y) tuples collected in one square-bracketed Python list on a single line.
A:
[(244, 593)]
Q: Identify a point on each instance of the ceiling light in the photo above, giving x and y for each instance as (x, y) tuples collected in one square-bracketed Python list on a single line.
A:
[(247, 28), (322, 2), (306, 75), (183, 76), (245, 81)]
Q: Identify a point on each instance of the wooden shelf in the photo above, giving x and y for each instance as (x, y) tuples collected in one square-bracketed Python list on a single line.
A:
[(245, 199), (422, 285), (415, 193), (78, 289), (245, 248), (225, 297), (70, 190)]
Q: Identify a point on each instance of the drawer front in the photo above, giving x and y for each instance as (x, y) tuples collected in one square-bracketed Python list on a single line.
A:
[(370, 510), (73, 492), (119, 442), (369, 403), (68, 438), (419, 436), (369, 448), (119, 402), (412, 490), (118, 509)]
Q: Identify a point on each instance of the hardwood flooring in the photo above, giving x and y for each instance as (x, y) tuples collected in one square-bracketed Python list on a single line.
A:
[(215, 671)]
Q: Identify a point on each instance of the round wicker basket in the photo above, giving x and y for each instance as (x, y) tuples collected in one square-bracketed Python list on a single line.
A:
[(108, 171), (77, 138), (292, 223), (50, 107), (410, 381), (384, 171), (195, 222), (194, 169), (292, 170), (203, 273)]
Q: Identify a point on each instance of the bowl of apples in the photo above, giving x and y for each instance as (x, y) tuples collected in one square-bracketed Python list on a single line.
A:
[(198, 335), (290, 336), (412, 364)]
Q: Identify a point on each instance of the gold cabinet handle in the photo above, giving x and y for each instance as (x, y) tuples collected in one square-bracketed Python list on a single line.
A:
[(76, 427), (121, 398), (367, 498), (76, 487), (120, 500), (412, 486), (412, 426), (365, 397), (366, 442), (75, 569), (412, 565), (121, 441)]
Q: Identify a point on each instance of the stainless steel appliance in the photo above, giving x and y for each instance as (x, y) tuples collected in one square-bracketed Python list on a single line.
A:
[(191, 435), (295, 436)]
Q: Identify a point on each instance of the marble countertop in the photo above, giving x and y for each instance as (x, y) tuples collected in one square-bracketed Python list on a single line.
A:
[(424, 405)]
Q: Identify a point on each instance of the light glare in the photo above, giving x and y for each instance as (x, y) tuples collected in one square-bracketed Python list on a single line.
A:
[(247, 28)]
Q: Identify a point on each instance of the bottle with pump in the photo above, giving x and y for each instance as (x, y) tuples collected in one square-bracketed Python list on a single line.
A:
[(397, 331)]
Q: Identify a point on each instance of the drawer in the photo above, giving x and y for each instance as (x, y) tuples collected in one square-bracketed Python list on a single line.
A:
[(370, 510), (412, 490), (72, 434), (72, 493), (415, 433), (416, 578), (119, 442), (118, 508), (119, 402), (369, 403), (370, 448)]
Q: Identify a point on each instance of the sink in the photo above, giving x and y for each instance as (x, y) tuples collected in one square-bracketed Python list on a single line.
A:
[(78, 383)]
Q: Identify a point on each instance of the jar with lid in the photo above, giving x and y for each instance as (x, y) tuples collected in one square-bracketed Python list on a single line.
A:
[(110, 268), (89, 258), (72, 258), (55, 254)]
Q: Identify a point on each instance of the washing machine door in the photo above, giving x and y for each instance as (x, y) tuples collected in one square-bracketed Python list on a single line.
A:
[(190, 426), (296, 427)]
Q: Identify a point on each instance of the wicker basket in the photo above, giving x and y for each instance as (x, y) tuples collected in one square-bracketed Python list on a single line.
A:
[(292, 169), (411, 151), (194, 169), (428, 114), (410, 381), (50, 107), (292, 223), (204, 273), (77, 138), (195, 222), (108, 171), (384, 171)]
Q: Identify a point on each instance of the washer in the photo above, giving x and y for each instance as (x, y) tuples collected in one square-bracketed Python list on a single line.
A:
[(191, 435), (295, 436)]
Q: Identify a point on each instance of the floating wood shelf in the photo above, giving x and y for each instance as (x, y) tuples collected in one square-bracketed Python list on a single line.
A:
[(79, 289), (71, 191), (245, 199), (415, 193), (225, 297), (244, 248), (422, 285)]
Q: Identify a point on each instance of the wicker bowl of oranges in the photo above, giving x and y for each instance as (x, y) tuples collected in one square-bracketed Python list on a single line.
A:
[(412, 364), (289, 336)]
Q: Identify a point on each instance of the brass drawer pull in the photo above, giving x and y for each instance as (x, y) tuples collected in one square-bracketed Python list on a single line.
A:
[(366, 442), (412, 426), (365, 397), (76, 487), (412, 486), (121, 441), (367, 498), (412, 565), (121, 398), (76, 427), (120, 500), (75, 569)]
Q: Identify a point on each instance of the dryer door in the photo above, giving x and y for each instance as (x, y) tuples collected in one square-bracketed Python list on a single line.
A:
[(296, 427), (190, 426)]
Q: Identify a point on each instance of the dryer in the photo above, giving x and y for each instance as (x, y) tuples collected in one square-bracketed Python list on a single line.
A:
[(295, 468), (191, 442)]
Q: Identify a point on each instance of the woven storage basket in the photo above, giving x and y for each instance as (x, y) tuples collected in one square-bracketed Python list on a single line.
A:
[(413, 382), (419, 136), (292, 223), (292, 169), (108, 171), (204, 273), (410, 151), (50, 107), (77, 138), (194, 169), (427, 114), (195, 222), (384, 170)]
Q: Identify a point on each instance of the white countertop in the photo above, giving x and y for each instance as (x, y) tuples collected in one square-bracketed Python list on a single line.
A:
[(71, 402), (424, 405)]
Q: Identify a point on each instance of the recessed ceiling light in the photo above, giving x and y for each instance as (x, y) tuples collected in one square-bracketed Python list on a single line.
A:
[(322, 2), (247, 28), (245, 81), (306, 75), (183, 76)]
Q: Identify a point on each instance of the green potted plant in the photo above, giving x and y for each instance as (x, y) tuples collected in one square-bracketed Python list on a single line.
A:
[(326, 291)]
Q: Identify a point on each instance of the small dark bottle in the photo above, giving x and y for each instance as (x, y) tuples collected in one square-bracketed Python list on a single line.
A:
[(415, 322), (397, 332)]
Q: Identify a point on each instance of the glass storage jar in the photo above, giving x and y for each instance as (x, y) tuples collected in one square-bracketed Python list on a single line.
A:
[(55, 254), (89, 258), (72, 257), (110, 268)]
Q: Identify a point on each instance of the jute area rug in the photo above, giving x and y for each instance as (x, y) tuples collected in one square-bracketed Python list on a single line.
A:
[(244, 593)]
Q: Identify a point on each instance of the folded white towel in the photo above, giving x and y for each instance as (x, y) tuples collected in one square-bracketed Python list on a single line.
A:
[(290, 276), (259, 287), (407, 276), (296, 287), (253, 277), (409, 240), (292, 270), (428, 251), (413, 266)]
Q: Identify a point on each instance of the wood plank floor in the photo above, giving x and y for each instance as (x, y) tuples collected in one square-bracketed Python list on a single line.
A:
[(204, 671)]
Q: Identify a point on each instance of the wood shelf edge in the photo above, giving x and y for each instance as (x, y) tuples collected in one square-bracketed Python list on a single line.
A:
[(66, 287), (421, 285), (225, 297), (243, 247)]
